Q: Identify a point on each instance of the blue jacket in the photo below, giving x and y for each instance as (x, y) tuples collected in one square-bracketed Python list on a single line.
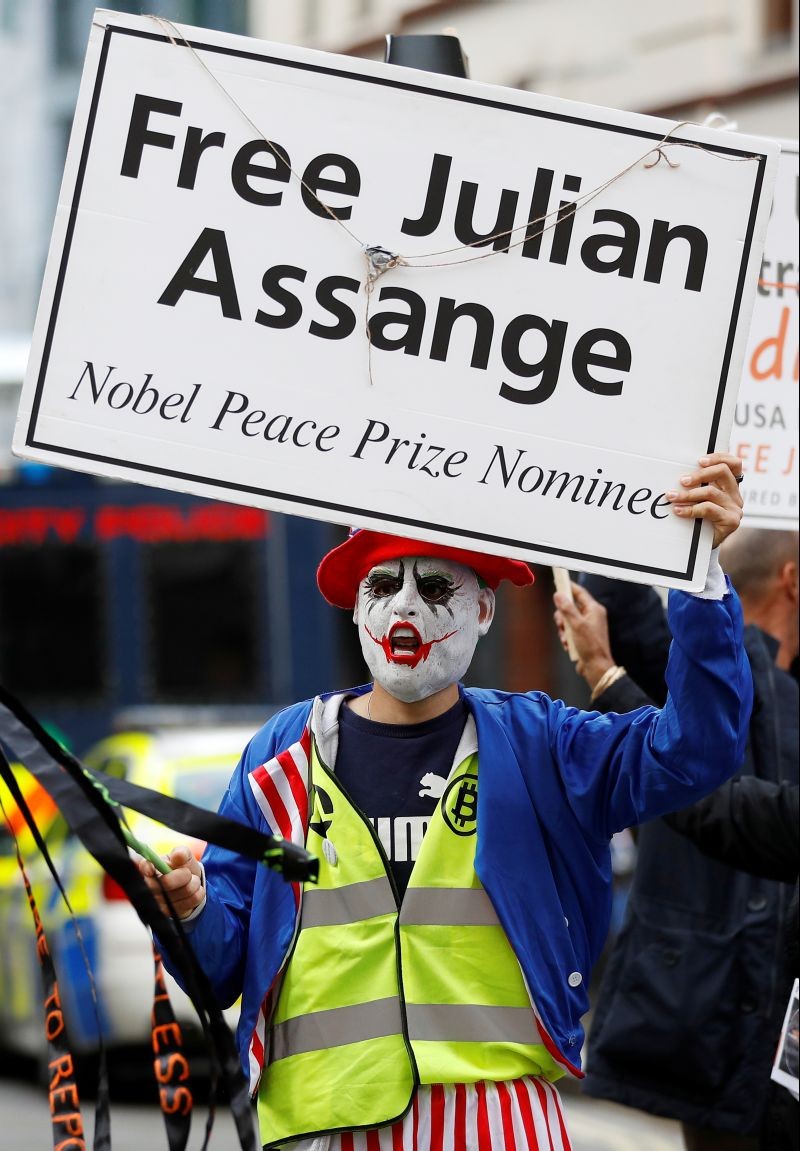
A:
[(556, 783)]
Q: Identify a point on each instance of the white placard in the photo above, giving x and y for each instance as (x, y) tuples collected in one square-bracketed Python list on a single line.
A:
[(203, 318), (765, 431)]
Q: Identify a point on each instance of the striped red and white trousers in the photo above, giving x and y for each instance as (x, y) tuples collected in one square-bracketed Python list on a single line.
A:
[(523, 1115)]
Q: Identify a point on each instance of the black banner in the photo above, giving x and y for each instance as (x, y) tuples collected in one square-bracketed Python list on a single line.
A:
[(90, 806), (62, 1086)]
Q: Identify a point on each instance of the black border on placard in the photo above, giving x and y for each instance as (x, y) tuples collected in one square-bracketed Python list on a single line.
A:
[(346, 511)]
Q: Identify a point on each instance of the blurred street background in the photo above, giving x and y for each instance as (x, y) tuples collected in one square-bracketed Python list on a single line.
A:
[(593, 1125), (122, 581), (131, 616)]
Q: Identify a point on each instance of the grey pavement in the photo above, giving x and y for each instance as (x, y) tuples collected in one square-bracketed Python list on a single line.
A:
[(25, 1125)]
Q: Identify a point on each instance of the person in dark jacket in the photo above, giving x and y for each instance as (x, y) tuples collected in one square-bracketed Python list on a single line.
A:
[(754, 825), (751, 825), (693, 993)]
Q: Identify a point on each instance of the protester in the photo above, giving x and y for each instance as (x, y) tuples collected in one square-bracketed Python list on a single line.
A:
[(693, 992), (754, 825), (428, 992)]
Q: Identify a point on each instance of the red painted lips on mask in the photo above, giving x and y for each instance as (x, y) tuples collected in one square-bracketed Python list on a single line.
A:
[(404, 644)]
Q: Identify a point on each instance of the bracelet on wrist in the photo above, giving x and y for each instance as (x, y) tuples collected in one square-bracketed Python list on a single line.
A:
[(609, 676)]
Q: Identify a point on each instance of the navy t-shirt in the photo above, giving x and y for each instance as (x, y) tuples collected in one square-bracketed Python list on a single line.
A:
[(395, 774)]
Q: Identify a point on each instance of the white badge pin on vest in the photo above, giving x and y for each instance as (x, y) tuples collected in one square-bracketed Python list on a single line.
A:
[(329, 851)]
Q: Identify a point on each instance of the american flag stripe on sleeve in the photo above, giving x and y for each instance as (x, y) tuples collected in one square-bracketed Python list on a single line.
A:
[(280, 787)]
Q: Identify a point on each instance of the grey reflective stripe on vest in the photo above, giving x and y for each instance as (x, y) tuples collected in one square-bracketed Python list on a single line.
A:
[(334, 906), (471, 1023), (323, 1029), (447, 907)]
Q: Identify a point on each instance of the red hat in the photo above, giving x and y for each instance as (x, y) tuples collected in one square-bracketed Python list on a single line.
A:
[(343, 568)]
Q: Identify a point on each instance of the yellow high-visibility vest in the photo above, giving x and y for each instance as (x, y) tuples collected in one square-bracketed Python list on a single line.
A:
[(374, 1000)]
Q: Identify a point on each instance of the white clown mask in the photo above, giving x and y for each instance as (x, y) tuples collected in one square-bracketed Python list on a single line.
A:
[(419, 619)]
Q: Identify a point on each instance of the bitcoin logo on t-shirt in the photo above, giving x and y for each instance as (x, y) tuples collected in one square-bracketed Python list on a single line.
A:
[(460, 805)]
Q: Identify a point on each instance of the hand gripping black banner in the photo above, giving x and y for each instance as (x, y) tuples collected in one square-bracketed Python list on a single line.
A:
[(82, 800), (170, 1065)]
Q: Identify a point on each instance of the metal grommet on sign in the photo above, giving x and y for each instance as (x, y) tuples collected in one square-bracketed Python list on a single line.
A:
[(575, 979)]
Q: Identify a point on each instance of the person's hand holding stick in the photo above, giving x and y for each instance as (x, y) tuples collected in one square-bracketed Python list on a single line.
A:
[(710, 492), (583, 623), (181, 885), (563, 584)]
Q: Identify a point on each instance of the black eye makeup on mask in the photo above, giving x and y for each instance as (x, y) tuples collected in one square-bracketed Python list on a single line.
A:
[(381, 583), (435, 587)]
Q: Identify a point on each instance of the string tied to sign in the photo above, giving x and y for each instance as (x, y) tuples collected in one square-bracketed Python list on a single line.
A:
[(660, 154), (540, 225), (380, 259)]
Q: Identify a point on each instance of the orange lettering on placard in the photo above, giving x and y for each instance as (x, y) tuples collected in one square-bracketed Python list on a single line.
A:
[(754, 457), (767, 357), (761, 463)]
